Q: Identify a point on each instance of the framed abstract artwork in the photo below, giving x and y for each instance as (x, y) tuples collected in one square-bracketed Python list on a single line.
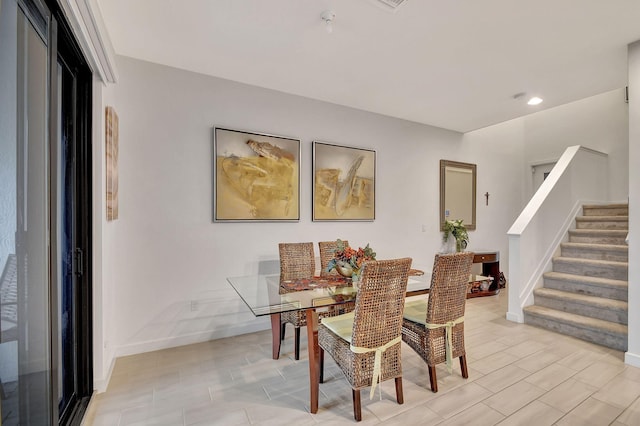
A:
[(111, 155), (343, 183), (256, 177)]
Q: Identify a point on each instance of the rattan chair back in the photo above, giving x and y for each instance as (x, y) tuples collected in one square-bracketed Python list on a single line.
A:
[(380, 302), (327, 250), (448, 291), (297, 260)]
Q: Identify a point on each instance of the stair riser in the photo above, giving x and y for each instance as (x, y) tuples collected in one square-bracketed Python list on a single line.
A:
[(596, 254), (589, 239), (618, 342), (605, 211), (613, 315), (587, 289), (601, 271), (602, 224)]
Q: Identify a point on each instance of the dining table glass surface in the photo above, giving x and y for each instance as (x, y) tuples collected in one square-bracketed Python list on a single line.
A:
[(268, 294)]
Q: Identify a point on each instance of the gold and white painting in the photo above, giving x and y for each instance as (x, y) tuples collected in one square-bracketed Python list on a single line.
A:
[(111, 155), (257, 177), (343, 183)]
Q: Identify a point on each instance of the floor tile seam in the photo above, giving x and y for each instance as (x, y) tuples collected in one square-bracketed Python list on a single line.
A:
[(591, 393), (549, 407), (529, 374), (504, 416), (542, 390), (623, 407), (459, 410), (631, 368), (558, 384), (628, 407), (585, 381)]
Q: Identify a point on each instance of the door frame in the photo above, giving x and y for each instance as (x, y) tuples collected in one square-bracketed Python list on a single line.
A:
[(67, 50)]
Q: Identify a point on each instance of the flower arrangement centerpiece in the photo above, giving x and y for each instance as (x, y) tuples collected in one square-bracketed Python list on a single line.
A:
[(459, 232), (348, 261)]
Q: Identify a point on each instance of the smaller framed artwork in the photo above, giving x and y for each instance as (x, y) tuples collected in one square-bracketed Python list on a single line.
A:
[(111, 155), (343, 183), (256, 177)]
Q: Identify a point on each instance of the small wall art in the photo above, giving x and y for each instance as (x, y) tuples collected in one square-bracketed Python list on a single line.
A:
[(256, 177), (343, 183), (111, 155)]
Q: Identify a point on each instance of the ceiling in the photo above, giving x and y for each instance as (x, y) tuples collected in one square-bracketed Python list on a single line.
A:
[(455, 64)]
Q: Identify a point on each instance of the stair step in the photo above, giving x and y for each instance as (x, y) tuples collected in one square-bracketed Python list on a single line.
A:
[(605, 333), (592, 268), (590, 306), (602, 222), (598, 236), (605, 209), (591, 286), (613, 252)]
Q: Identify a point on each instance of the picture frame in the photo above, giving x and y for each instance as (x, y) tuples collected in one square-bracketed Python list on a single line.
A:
[(343, 183), (256, 177), (111, 166)]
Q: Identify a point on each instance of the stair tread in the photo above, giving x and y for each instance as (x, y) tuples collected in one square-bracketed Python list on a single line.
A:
[(589, 261), (599, 231), (601, 302), (603, 218), (604, 206), (608, 282), (578, 320), (588, 246)]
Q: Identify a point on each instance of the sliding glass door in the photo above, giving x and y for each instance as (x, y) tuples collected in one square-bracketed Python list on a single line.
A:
[(45, 181)]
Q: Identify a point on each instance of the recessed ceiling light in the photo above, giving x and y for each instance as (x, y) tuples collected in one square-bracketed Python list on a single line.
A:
[(535, 101)]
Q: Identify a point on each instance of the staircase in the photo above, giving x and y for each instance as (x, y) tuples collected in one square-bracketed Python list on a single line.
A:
[(585, 295)]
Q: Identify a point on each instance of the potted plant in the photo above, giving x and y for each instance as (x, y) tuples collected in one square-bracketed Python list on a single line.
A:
[(459, 232), (348, 261)]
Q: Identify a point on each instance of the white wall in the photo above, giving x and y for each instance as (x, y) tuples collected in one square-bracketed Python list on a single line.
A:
[(165, 252), (599, 122), (508, 149), (633, 352)]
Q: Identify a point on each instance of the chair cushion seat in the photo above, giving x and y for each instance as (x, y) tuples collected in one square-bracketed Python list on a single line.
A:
[(416, 311), (340, 325)]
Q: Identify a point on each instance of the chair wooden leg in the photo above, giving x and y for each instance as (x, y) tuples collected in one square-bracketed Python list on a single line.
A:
[(433, 379), (297, 343), (399, 395), (357, 407), (321, 365), (463, 366)]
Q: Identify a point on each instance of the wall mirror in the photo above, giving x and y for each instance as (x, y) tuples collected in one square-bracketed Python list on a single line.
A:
[(457, 193)]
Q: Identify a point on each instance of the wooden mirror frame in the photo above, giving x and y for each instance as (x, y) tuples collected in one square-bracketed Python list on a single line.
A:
[(443, 184)]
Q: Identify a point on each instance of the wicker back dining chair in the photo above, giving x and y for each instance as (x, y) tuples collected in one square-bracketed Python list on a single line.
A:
[(426, 324), (327, 250), (373, 330), (297, 260)]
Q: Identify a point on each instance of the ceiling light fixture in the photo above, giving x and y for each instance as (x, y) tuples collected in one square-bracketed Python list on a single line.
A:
[(534, 101), (328, 16)]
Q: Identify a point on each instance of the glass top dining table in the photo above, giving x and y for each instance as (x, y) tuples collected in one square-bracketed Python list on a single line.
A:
[(269, 295)]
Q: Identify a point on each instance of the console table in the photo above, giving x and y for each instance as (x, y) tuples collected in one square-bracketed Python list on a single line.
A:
[(490, 261)]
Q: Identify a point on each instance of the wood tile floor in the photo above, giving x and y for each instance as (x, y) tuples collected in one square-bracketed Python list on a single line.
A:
[(518, 375)]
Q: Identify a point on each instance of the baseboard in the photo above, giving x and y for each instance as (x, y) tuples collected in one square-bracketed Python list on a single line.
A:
[(101, 385), (172, 342), (632, 359)]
